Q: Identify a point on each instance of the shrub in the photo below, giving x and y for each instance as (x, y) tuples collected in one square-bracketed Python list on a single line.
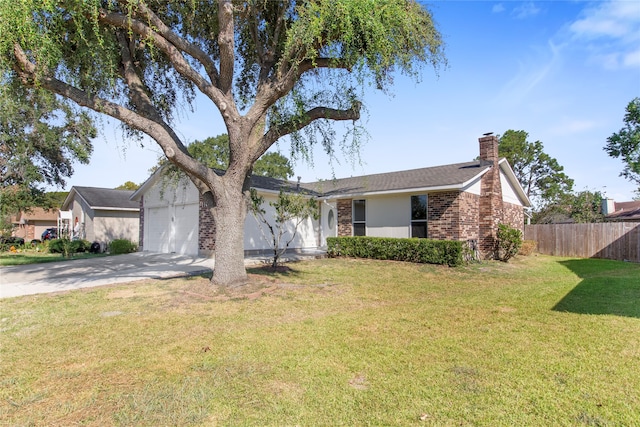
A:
[(428, 251), (56, 246), (528, 247), (509, 242), (68, 247), (122, 246)]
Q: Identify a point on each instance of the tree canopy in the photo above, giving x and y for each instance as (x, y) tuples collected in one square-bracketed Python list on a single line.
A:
[(40, 139), (625, 144), (579, 207), (540, 175), (270, 68), (129, 185), (214, 152)]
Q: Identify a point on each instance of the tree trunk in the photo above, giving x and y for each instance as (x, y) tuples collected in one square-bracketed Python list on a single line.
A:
[(229, 214)]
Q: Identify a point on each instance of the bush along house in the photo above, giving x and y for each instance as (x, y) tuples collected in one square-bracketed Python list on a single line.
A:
[(462, 201)]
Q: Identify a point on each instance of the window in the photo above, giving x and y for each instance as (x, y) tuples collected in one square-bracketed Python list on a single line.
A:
[(359, 218), (419, 216), (331, 219)]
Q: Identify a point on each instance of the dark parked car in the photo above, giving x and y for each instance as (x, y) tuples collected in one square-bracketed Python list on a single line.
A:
[(50, 233)]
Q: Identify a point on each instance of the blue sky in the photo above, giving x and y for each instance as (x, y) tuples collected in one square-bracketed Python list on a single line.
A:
[(563, 71)]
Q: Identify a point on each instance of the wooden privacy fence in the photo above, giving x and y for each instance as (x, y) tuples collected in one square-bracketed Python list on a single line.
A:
[(611, 240)]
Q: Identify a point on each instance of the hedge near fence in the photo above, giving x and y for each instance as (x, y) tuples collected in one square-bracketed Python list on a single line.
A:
[(426, 251)]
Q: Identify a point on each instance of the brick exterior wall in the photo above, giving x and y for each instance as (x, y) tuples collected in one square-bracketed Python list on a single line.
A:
[(469, 216), (345, 228), (491, 210), (453, 216), (206, 228), (141, 227), (443, 216), (513, 215)]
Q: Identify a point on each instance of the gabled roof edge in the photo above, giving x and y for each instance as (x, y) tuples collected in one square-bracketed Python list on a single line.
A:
[(511, 176), (147, 184)]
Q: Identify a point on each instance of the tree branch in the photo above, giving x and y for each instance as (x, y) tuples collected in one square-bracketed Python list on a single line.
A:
[(159, 131), (174, 55), (334, 63), (227, 46), (180, 43), (316, 113)]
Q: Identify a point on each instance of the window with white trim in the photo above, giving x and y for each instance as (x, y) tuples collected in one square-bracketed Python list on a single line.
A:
[(419, 216), (359, 218)]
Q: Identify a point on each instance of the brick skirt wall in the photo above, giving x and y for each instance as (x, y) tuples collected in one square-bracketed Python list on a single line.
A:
[(206, 228), (345, 228), (513, 215), (443, 216), (469, 216)]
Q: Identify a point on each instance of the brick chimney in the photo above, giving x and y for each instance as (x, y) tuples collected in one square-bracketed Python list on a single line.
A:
[(491, 209)]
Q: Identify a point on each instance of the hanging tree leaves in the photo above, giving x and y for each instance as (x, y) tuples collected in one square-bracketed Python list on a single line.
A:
[(270, 68), (41, 137)]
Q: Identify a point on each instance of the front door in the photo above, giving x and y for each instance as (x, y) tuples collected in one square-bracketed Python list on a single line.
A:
[(329, 222)]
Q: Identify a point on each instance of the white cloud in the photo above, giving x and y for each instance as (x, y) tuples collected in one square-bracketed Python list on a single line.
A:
[(611, 33), (612, 19), (498, 8), (632, 59), (526, 10), (532, 73)]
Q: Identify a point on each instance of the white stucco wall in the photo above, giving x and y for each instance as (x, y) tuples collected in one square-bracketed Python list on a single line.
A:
[(170, 193), (474, 187), (112, 225), (79, 209), (306, 236), (508, 192)]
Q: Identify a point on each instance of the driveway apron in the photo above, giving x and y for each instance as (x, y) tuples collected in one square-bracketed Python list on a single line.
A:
[(82, 273)]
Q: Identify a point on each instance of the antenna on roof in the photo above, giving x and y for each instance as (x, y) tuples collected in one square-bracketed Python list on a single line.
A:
[(487, 134)]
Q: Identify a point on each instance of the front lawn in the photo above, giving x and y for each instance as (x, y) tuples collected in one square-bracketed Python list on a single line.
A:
[(32, 257), (537, 341)]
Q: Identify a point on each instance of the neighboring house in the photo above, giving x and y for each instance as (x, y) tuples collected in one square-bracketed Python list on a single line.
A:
[(102, 214), (621, 211), (30, 225), (463, 201)]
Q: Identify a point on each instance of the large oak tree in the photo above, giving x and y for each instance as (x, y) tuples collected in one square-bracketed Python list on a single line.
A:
[(271, 68)]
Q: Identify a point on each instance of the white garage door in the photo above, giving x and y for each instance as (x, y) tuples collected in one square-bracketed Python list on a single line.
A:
[(157, 229), (185, 239), (172, 229)]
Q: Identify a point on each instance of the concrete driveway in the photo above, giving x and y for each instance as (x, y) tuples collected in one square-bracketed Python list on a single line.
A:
[(82, 273)]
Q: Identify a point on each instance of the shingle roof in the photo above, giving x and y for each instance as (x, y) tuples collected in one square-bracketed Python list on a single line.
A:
[(272, 184), (625, 211), (446, 176), (107, 198), (36, 214)]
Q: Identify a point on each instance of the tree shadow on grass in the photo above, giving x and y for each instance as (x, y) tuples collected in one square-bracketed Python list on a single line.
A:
[(607, 287), (268, 270)]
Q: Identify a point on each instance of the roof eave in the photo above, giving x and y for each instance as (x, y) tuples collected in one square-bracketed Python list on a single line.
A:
[(456, 187), (511, 176), (111, 208), (147, 184)]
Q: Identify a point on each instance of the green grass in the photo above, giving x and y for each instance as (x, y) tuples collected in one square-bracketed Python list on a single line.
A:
[(33, 257), (537, 341)]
